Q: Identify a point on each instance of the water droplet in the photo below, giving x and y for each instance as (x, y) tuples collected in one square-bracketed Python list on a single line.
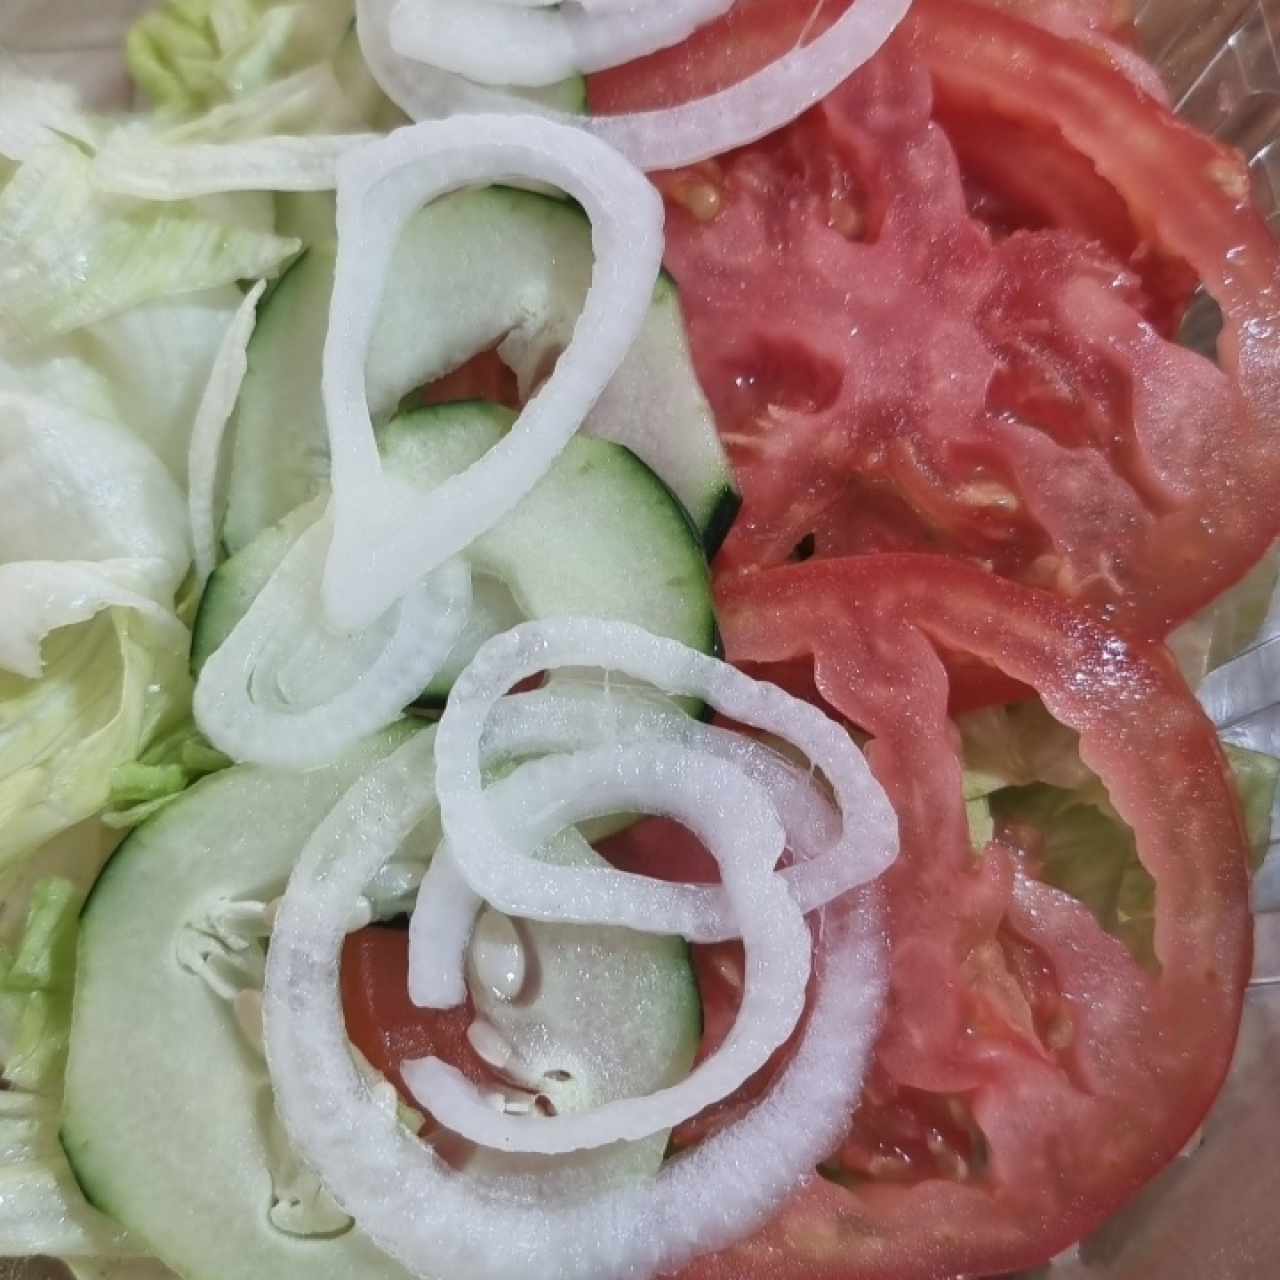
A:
[(498, 956)]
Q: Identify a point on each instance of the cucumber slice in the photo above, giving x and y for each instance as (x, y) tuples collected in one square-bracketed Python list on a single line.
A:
[(599, 536), (167, 1106), (475, 269)]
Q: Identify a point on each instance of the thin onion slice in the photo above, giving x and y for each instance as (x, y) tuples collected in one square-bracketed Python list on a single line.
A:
[(760, 104), (675, 136), (385, 536), (285, 689), (435, 1221), (734, 819), (498, 868), (494, 42), (204, 454), (568, 719), (188, 170), (421, 91)]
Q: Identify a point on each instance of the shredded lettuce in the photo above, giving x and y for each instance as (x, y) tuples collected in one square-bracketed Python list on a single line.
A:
[(1084, 848), (79, 488), (42, 1209), (145, 369), (160, 775), (190, 55), (1017, 745), (111, 686), (35, 112), (1025, 768), (205, 496), (36, 985), (71, 255), (256, 95), (286, 136), (1230, 624), (982, 827)]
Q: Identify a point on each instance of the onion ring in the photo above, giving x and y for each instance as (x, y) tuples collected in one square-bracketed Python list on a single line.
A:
[(385, 536)]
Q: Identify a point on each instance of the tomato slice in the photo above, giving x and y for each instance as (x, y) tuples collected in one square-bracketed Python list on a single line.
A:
[(483, 377), (750, 35), (1213, 516), (385, 1025), (1032, 1074), (908, 377)]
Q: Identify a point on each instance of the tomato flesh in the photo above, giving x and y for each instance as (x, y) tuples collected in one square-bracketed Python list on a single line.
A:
[(1000, 387), (385, 1025), (963, 271), (1031, 1074)]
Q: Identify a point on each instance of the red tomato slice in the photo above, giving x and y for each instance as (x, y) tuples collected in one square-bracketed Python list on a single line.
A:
[(904, 380), (385, 1025), (1207, 476), (1031, 1075), (483, 377)]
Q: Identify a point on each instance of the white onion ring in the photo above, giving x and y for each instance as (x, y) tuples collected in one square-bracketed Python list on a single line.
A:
[(676, 136), (434, 1221), (499, 870), (494, 42), (385, 535), (763, 102), (567, 719), (422, 92), (243, 702), (187, 170), (735, 820)]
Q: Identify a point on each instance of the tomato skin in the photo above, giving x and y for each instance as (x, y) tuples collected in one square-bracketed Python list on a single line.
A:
[(1084, 1073), (748, 37)]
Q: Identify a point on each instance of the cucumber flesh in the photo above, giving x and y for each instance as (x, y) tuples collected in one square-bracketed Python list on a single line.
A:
[(279, 455), (167, 1106), (474, 270), (598, 536), (163, 1106)]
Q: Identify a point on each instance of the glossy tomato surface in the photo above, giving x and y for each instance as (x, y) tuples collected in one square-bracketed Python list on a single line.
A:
[(1032, 1073), (937, 312)]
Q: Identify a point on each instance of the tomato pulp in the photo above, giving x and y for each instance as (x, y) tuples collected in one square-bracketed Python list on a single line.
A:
[(936, 314), (1032, 1074)]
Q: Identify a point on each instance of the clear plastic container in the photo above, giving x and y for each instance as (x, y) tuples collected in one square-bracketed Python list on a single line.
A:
[(1214, 1214)]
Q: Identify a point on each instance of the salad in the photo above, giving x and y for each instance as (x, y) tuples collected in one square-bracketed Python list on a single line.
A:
[(599, 608)]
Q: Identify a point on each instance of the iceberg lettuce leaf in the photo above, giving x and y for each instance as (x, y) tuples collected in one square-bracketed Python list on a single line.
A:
[(34, 112), (1079, 844), (190, 55), (111, 686), (73, 487), (71, 255), (145, 369), (1230, 624), (42, 1209), (160, 775), (36, 986)]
